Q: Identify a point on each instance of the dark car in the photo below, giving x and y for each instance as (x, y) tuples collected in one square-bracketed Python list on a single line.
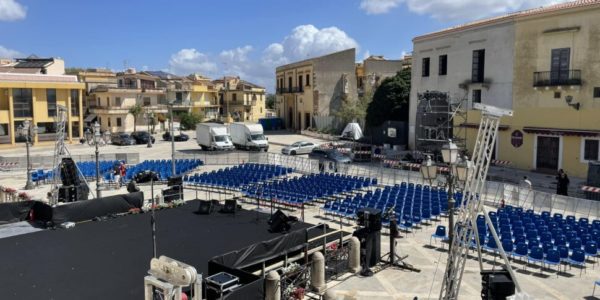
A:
[(181, 137), (122, 139), (141, 137), (331, 155)]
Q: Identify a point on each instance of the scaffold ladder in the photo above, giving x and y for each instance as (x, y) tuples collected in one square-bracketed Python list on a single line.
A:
[(472, 205)]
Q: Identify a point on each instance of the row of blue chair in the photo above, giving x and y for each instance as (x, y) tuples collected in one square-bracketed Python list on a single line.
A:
[(297, 191), (238, 176), (163, 167)]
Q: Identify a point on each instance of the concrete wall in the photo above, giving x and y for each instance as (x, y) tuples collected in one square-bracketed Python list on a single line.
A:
[(498, 42), (381, 69), (329, 71)]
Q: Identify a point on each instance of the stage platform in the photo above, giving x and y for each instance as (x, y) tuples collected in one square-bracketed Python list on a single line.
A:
[(109, 259)]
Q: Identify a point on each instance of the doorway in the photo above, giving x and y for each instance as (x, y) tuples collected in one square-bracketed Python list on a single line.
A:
[(547, 153)]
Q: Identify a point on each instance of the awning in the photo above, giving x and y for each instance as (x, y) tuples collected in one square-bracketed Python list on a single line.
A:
[(474, 125), (560, 131), (90, 118)]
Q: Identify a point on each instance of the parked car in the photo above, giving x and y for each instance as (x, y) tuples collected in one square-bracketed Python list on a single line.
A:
[(181, 137), (141, 137), (298, 148), (330, 155), (122, 139)]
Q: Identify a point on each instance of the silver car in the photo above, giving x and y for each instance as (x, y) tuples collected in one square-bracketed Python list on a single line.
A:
[(298, 148)]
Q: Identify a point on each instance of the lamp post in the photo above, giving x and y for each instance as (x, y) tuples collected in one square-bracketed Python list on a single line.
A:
[(148, 120), (450, 156), (428, 170), (171, 103), (96, 137), (28, 130)]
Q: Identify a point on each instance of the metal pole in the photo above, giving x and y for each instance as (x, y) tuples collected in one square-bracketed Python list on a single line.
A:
[(97, 169), (29, 183), (451, 203), (149, 133), (152, 219), (172, 141)]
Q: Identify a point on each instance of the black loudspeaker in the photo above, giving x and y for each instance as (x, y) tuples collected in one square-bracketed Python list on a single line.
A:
[(173, 193), (279, 222), (496, 285), (83, 191), (205, 208), (370, 245), (370, 218), (230, 206), (67, 194), (68, 172), (146, 176), (175, 181)]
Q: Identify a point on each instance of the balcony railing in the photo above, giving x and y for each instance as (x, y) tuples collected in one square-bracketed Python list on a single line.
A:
[(289, 90), (557, 78)]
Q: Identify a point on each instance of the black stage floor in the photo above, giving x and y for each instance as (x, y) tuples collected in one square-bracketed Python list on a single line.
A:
[(109, 259)]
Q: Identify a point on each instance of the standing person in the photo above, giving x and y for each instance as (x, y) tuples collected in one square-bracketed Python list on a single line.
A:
[(117, 174), (558, 187), (563, 184), (122, 172)]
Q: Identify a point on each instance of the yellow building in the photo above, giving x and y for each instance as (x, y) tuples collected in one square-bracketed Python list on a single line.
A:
[(35, 97), (204, 97), (240, 99), (94, 78)]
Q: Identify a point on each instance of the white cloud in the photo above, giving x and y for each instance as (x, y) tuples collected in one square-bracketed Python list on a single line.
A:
[(10, 10), (303, 42), (9, 53), (455, 10), (366, 54), (188, 61), (375, 7)]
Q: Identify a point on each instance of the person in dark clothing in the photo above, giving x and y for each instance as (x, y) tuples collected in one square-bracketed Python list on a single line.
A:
[(562, 186)]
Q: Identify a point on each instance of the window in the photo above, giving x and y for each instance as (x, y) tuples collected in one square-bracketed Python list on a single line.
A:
[(147, 101), (478, 66), (425, 67), (22, 103), (300, 83), (597, 92), (107, 101), (591, 149), (556, 95), (443, 65), (74, 102), (234, 97), (119, 122), (109, 122), (476, 96), (46, 131), (117, 101), (289, 84), (51, 100), (178, 96), (4, 134), (75, 129), (307, 80)]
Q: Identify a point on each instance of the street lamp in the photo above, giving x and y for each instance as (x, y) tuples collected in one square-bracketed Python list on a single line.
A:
[(428, 170), (148, 120), (96, 137), (171, 103), (28, 130), (450, 156)]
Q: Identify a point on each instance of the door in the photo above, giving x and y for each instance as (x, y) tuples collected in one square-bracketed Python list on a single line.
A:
[(559, 68), (548, 149), (290, 117)]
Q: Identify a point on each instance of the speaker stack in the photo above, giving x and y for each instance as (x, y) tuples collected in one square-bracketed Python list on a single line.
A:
[(205, 208), (175, 189), (72, 189), (230, 206), (496, 284), (370, 238)]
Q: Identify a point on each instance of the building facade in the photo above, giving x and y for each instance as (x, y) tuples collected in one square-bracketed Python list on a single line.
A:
[(35, 96), (204, 97), (537, 62), (310, 92), (93, 78), (240, 100), (373, 70)]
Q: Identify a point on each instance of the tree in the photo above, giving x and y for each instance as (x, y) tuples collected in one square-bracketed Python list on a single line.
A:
[(189, 120), (270, 102), (390, 101), (354, 110), (135, 111)]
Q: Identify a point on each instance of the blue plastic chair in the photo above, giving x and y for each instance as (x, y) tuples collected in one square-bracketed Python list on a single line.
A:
[(440, 233), (536, 255), (577, 258), (553, 259)]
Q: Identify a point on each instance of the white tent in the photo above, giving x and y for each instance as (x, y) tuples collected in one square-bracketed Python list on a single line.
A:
[(352, 131)]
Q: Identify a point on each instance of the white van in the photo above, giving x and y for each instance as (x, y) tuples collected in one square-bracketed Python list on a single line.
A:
[(213, 136), (249, 136)]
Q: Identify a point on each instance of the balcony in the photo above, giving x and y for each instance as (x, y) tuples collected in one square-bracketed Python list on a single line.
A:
[(290, 90), (557, 78)]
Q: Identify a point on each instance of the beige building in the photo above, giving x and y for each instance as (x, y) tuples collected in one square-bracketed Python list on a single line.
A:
[(94, 78), (241, 100), (373, 70), (310, 92), (32, 89), (112, 104)]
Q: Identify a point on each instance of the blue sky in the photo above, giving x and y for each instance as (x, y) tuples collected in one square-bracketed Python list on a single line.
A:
[(242, 37)]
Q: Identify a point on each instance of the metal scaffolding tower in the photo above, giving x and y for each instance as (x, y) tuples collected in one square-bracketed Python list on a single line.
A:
[(472, 205)]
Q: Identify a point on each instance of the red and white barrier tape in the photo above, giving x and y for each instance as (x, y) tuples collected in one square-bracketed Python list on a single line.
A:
[(497, 162), (590, 189)]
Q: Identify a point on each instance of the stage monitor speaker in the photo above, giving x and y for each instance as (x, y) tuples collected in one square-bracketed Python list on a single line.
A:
[(369, 218), (279, 222), (172, 194), (175, 181), (370, 245), (205, 208), (146, 176), (230, 206), (496, 284), (68, 172)]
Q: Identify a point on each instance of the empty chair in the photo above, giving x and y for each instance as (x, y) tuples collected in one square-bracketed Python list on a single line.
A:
[(507, 246), (536, 254), (577, 258), (440, 233), (520, 250), (553, 259), (591, 249)]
